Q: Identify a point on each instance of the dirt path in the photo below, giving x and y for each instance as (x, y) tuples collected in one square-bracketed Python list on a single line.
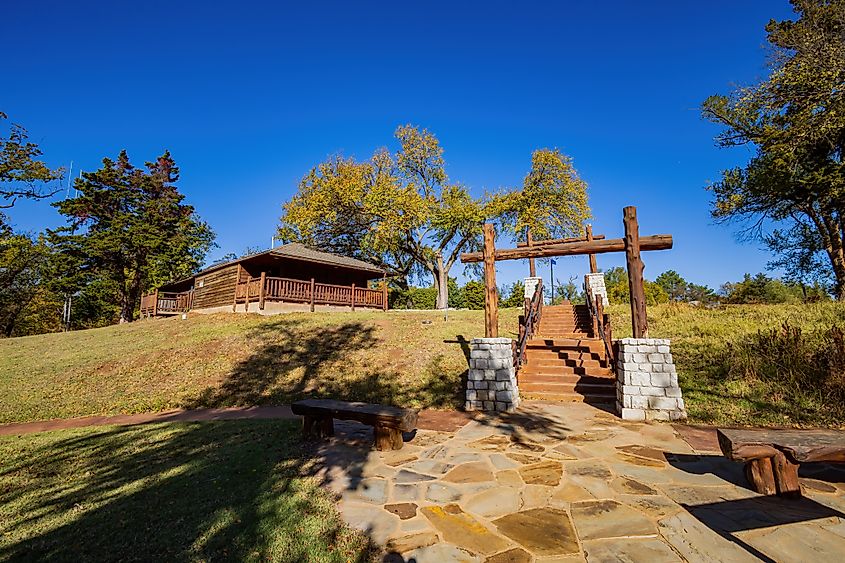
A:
[(448, 421)]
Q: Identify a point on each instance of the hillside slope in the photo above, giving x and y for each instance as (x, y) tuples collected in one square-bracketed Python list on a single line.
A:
[(404, 358), (737, 365)]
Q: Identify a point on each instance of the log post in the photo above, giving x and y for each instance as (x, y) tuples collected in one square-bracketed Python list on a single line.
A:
[(491, 298), (237, 282), (353, 296), (155, 302), (384, 293), (786, 476), (532, 270), (636, 286), (261, 291), (593, 267), (312, 295)]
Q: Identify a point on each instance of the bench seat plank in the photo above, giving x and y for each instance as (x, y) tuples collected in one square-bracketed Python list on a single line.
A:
[(799, 445), (401, 419)]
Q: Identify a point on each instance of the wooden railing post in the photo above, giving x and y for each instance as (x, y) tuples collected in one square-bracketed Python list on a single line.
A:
[(261, 291), (155, 303), (593, 267), (384, 293), (532, 269), (237, 283), (491, 298), (353, 296), (639, 320), (312, 295)]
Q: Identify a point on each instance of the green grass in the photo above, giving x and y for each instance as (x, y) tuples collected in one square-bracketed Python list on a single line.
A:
[(722, 363), (230, 490), (406, 358)]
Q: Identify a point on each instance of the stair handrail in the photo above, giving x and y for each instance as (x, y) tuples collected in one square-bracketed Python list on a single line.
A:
[(528, 323), (595, 305)]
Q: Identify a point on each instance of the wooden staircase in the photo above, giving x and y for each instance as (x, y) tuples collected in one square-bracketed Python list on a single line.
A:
[(565, 361)]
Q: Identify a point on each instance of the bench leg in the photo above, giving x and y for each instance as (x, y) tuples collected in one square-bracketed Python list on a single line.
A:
[(773, 475), (761, 476), (387, 439), (314, 428), (786, 476)]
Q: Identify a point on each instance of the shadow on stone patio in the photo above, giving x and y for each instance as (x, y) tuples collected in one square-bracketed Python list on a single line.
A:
[(731, 517)]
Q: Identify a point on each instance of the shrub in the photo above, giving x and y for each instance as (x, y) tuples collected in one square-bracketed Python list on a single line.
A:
[(474, 294), (797, 366)]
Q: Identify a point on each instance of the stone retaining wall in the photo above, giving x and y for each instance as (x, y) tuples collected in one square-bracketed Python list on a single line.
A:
[(491, 382), (646, 381)]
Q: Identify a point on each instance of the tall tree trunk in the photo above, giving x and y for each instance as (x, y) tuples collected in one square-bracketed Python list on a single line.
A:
[(441, 283), (831, 235)]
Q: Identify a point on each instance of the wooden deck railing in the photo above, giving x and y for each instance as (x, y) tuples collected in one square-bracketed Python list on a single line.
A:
[(307, 291), (166, 303)]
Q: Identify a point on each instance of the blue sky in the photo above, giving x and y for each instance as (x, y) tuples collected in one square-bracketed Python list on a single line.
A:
[(249, 96)]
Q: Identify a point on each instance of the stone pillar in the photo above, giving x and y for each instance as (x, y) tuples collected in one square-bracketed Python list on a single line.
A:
[(646, 381), (531, 286), (491, 382), (596, 284)]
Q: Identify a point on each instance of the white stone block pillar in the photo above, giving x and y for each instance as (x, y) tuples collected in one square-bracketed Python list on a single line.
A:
[(646, 381), (531, 286), (597, 287), (491, 382)]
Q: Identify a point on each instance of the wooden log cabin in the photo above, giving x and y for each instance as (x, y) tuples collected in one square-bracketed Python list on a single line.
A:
[(291, 277)]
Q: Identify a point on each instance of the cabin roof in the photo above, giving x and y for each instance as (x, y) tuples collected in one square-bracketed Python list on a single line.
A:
[(298, 251)]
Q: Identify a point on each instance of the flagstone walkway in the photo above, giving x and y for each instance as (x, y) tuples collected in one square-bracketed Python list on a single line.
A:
[(570, 482)]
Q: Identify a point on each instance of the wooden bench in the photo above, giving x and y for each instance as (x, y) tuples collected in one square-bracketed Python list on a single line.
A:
[(772, 456), (388, 422)]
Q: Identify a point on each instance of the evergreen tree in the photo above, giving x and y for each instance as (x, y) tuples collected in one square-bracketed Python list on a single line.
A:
[(129, 228)]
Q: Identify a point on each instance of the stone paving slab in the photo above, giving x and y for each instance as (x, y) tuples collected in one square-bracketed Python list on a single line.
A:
[(569, 482)]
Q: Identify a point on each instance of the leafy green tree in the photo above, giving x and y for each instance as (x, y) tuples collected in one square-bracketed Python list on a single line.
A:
[(401, 211), (795, 121), (673, 284), (700, 293), (616, 281), (129, 226), (761, 289), (22, 173), (26, 304), (474, 292), (398, 211), (515, 293), (457, 299)]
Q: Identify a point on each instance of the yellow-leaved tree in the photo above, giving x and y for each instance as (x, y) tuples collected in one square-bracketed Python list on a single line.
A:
[(401, 211)]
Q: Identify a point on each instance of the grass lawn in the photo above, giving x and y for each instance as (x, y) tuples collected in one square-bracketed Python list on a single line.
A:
[(405, 358), (711, 347), (168, 492), (400, 357)]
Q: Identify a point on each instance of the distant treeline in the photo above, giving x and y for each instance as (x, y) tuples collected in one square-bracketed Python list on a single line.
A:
[(667, 287)]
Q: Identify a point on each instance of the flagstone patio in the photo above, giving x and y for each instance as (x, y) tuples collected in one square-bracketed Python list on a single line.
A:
[(570, 482)]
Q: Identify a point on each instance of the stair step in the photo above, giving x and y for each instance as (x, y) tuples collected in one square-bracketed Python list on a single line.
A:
[(570, 398), (562, 388), (545, 363), (592, 344), (578, 372), (527, 377)]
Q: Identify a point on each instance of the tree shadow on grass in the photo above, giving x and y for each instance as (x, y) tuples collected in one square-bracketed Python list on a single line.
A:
[(291, 361), (171, 492)]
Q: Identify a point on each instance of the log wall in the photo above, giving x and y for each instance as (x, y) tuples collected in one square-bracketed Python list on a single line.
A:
[(217, 289)]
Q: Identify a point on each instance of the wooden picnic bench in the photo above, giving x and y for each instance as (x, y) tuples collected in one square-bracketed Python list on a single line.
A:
[(772, 456), (388, 422)]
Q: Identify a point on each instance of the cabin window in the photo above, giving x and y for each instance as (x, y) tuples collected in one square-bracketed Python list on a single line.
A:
[(200, 283)]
